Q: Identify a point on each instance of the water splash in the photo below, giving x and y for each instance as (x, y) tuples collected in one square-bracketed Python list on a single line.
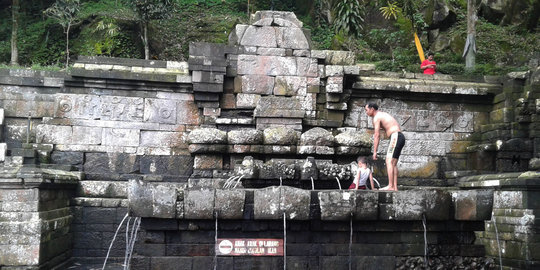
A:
[(131, 237), (112, 242)]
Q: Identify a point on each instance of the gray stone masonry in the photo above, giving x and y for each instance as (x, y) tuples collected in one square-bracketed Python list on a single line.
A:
[(298, 204), (512, 228), (35, 217)]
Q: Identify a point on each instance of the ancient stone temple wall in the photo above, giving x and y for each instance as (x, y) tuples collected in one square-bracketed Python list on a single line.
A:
[(264, 127)]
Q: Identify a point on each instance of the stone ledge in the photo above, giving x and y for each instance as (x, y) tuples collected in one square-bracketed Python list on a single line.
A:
[(527, 180), (166, 200), (442, 86), (127, 75)]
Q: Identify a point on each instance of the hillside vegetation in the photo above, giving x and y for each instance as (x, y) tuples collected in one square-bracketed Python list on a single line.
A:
[(505, 41)]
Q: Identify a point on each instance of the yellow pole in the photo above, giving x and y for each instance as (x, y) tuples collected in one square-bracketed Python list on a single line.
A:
[(419, 47)]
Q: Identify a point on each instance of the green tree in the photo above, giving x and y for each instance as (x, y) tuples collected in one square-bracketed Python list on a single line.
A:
[(65, 13), (145, 11)]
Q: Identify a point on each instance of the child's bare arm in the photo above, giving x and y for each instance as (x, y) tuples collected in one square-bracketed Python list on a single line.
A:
[(371, 179)]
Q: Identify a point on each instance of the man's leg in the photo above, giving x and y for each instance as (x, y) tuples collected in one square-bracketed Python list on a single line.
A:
[(394, 173), (390, 171)]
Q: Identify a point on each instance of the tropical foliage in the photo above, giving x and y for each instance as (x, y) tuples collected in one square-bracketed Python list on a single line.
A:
[(116, 28)]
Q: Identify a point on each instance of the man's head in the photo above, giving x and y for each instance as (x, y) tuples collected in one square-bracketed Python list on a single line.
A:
[(371, 108), (430, 56)]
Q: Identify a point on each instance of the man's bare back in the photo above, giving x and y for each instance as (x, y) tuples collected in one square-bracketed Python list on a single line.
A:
[(386, 122)]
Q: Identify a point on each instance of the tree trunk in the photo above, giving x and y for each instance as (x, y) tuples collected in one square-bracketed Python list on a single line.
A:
[(532, 20), (469, 52), (67, 45), (144, 37), (15, 6)]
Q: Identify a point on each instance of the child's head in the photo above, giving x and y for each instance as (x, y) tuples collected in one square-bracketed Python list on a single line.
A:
[(362, 160)]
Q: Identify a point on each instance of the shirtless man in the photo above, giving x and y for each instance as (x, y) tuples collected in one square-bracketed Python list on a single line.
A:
[(397, 141)]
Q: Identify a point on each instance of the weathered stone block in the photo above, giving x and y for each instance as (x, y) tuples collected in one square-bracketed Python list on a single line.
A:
[(317, 137), (247, 101), (409, 204), (291, 38), (104, 163), (199, 204), (280, 136), (334, 85), (163, 201), (351, 138), (290, 86), (87, 135), (333, 71), (437, 204), (271, 51), (272, 106), (54, 134), (267, 65), (120, 137), (280, 18), (295, 203), (264, 36), (336, 205), (71, 158), (140, 198), (245, 136), (472, 204), (228, 101), (162, 139), (3, 151), (160, 111), (366, 205), (229, 204), (266, 203), (256, 84), (181, 165), (187, 113), (207, 136), (205, 162), (236, 34)]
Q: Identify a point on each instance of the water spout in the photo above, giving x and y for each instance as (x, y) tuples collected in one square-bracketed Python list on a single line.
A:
[(28, 127), (498, 242), (312, 184), (339, 184), (229, 182), (425, 241), (284, 242), (130, 240), (216, 240), (350, 242), (238, 181), (112, 242)]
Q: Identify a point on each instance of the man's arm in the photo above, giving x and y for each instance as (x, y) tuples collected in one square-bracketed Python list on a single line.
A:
[(376, 136)]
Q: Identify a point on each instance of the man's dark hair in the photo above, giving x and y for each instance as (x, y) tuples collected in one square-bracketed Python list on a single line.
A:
[(373, 105), (431, 53)]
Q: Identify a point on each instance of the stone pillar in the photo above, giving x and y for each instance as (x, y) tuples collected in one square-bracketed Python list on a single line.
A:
[(35, 217), (512, 229)]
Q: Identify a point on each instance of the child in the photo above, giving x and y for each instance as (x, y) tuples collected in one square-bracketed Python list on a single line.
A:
[(362, 175)]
